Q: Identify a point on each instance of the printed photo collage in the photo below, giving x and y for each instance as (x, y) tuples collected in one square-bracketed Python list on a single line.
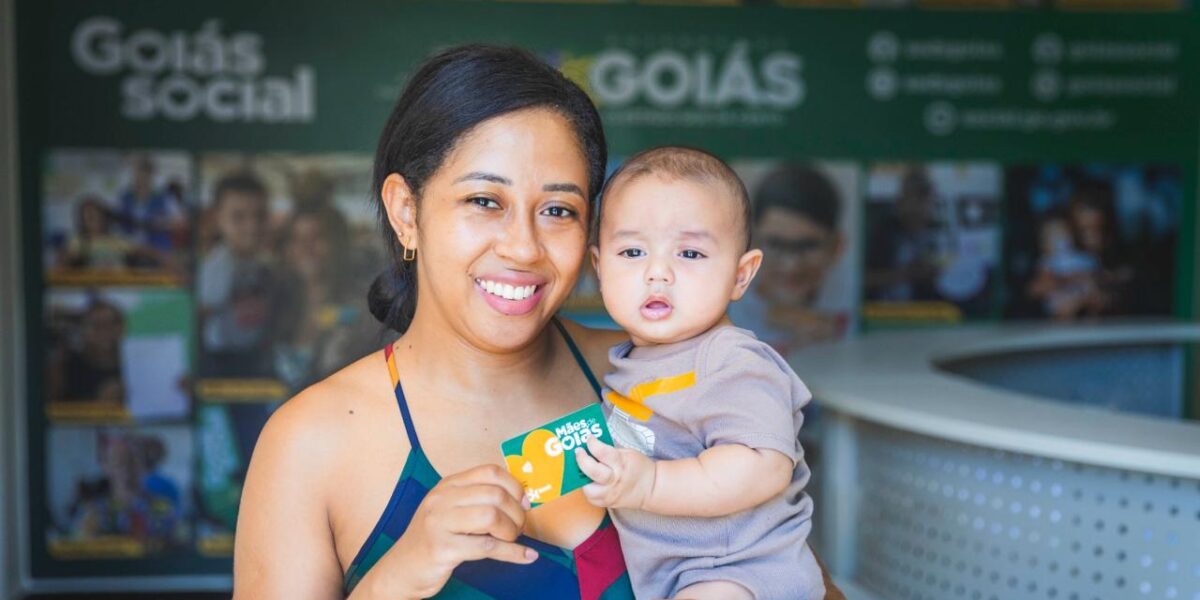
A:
[(187, 296)]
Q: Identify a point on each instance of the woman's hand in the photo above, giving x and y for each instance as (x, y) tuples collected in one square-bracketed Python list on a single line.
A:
[(475, 514)]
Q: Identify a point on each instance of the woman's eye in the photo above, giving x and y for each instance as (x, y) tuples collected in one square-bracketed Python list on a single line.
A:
[(632, 253), (559, 211), (484, 202), (691, 254)]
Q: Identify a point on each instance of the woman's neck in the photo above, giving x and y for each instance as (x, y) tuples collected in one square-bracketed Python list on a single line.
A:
[(438, 353)]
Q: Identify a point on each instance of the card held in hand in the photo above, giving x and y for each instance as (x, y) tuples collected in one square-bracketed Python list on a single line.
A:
[(543, 459)]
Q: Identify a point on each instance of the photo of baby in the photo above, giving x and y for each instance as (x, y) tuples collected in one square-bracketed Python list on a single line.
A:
[(1092, 241)]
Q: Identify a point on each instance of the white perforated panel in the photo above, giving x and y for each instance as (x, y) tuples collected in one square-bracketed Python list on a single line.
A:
[(942, 520)]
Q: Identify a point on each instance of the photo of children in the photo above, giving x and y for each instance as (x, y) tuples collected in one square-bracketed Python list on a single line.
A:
[(805, 218), (932, 242), (116, 217), (1091, 241), (288, 248), (118, 354), (119, 492)]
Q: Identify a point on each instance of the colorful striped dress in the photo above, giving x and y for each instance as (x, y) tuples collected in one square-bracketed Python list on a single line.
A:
[(594, 570)]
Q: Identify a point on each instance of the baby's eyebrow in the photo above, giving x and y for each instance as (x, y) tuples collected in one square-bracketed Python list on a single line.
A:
[(627, 233), (698, 234)]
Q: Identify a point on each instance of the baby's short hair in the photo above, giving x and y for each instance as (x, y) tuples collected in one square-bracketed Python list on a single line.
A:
[(680, 162)]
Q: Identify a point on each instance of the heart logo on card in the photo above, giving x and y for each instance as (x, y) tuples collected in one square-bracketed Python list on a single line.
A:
[(539, 466)]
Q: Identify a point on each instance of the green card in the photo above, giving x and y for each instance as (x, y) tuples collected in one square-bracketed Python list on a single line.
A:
[(543, 459)]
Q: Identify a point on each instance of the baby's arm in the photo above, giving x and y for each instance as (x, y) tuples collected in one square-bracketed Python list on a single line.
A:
[(722, 480), (742, 414)]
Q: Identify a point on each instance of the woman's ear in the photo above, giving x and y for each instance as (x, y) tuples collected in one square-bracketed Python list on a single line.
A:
[(747, 268), (401, 206)]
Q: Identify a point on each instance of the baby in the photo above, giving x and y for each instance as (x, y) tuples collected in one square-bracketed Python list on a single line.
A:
[(707, 478)]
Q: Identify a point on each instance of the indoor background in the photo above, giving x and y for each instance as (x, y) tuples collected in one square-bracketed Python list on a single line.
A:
[(979, 221)]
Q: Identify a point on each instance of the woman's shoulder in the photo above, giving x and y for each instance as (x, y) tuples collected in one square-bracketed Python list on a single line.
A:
[(322, 423), (594, 343)]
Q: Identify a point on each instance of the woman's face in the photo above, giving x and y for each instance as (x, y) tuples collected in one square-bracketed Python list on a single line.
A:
[(797, 255), (501, 229)]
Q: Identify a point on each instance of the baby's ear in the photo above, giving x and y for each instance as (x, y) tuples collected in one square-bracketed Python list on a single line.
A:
[(595, 254), (747, 268)]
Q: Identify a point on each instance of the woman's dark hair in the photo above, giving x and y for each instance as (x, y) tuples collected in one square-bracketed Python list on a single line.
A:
[(801, 189), (450, 94)]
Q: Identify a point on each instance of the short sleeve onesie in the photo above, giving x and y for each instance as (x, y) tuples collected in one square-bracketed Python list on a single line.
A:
[(674, 401)]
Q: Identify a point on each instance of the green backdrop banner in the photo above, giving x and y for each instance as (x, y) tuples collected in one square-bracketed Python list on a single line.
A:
[(994, 123)]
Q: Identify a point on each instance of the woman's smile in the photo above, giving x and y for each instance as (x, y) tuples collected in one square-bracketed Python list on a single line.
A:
[(511, 294)]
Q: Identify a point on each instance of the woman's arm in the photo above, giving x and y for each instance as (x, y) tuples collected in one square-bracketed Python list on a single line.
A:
[(284, 546)]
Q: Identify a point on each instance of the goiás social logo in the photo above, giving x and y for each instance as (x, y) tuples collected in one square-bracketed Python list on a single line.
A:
[(185, 75)]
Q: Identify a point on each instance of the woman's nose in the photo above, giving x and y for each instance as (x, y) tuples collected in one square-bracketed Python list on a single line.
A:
[(519, 241)]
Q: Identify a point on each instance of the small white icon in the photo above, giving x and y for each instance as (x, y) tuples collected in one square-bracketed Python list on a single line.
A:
[(883, 83), (528, 468), (1046, 85), (1047, 48), (941, 118), (884, 46)]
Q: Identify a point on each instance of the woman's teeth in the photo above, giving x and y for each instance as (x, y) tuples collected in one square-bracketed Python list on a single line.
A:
[(505, 290)]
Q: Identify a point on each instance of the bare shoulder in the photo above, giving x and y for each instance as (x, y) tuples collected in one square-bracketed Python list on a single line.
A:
[(594, 343), (284, 544), (314, 421)]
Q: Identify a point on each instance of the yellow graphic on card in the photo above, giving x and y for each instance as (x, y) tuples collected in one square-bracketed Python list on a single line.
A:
[(634, 404), (539, 471)]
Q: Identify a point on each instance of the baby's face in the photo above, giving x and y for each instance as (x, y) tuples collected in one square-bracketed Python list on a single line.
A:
[(668, 257)]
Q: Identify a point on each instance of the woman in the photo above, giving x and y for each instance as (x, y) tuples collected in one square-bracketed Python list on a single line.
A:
[(485, 172)]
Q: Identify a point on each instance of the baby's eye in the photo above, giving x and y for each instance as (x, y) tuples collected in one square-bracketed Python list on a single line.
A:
[(632, 253), (691, 254), (559, 211), (484, 202)]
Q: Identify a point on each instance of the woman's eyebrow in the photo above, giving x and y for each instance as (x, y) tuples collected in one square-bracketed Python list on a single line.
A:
[(564, 187), (484, 176), (493, 178)]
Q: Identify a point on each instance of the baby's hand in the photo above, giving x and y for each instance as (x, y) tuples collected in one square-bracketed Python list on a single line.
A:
[(621, 478)]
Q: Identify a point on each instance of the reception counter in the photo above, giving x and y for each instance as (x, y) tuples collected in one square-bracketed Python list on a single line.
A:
[(1007, 462)]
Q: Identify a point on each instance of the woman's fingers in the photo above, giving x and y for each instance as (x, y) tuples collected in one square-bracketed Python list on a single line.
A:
[(485, 520), (492, 496), (488, 474), (479, 547)]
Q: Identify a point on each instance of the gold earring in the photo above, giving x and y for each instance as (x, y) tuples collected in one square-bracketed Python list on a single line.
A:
[(410, 254)]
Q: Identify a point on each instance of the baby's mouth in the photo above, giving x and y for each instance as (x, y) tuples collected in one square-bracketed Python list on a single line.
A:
[(656, 309)]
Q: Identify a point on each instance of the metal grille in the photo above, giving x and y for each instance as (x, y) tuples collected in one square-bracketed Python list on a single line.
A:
[(943, 520)]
